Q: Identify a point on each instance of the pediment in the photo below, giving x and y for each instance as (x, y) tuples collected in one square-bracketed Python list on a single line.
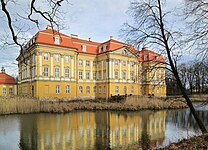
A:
[(124, 51)]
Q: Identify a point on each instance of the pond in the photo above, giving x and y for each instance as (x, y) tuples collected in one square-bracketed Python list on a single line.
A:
[(98, 129)]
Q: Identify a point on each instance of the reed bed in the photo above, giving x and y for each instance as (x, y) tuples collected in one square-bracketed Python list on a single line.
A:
[(12, 105)]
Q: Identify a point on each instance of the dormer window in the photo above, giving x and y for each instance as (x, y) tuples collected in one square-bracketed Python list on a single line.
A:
[(156, 57), (56, 40), (100, 49), (145, 57), (84, 48), (104, 48)]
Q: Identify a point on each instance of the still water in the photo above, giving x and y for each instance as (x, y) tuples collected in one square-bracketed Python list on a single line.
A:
[(98, 130)]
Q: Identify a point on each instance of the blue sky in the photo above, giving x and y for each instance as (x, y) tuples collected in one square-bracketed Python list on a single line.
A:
[(97, 19)]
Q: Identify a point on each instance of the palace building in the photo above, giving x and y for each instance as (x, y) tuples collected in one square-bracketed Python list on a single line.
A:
[(57, 65)]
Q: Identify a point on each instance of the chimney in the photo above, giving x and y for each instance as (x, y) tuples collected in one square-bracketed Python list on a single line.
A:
[(111, 37), (89, 39), (49, 27), (2, 70), (74, 36)]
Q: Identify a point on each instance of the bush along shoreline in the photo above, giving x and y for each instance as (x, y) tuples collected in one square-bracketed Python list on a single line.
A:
[(21, 105)]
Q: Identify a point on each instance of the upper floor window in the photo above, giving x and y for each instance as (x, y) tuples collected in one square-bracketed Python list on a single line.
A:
[(56, 40), (56, 57), (116, 62), (94, 75), (104, 48), (94, 63), (104, 75), (116, 74), (145, 57), (87, 75), (87, 63), (100, 49), (132, 75), (45, 71), (67, 73), (80, 75), (80, 62), (57, 72), (84, 48), (45, 56), (124, 63), (124, 75), (67, 59)]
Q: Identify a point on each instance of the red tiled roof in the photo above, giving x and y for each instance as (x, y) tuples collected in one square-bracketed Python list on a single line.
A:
[(6, 79), (47, 37)]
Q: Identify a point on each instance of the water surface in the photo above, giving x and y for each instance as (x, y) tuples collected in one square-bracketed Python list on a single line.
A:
[(98, 130)]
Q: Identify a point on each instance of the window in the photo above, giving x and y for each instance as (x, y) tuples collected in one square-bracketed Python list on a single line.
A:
[(57, 72), (132, 75), (80, 89), (104, 89), (158, 90), (145, 57), (124, 63), (80, 75), (80, 62), (88, 90), (84, 48), (124, 75), (116, 75), (45, 56), (132, 89), (125, 90), (67, 89), (56, 40), (94, 75), (45, 72), (116, 62), (67, 59), (100, 75), (57, 89), (141, 90), (95, 89), (156, 57), (104, 48), (144, 90), (94, 63), (4, 91), (104, 75), (10, 91), (117, 90), (152, 90), (67, 73), (56, 57), (100, 89), (87, 75), (100, 49), (104, 62), (87, 63)]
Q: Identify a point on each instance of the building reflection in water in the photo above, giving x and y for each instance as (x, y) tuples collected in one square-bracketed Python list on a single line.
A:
[(92, 130)]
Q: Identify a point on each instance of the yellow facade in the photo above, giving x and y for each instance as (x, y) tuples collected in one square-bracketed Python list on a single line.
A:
[(48, 70), (8, 89)]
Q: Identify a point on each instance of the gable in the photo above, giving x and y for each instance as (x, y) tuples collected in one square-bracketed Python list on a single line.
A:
[(124, 51)]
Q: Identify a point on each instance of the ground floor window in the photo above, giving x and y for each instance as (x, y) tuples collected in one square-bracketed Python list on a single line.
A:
[(95, 89), (10, 91), (88, 90), (132, 89), (100, 89), (104, 90), (4, 91), (80, 89), (125, 90), (117, 90), (57, 89), (67, 89)]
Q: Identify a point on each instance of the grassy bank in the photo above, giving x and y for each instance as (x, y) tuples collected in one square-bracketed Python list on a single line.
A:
[(194, 98), (11, 105)]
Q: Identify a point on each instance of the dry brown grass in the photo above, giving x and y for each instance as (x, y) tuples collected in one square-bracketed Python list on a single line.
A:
[(11, 105)]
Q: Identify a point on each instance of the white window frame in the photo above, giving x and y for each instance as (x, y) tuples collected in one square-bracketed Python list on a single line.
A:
[(56, 58), (94, 75), (80, 89), (84, 48), (67, 59), (57, 89), (45, 56), (45, 72), (67, 73), (117, 89), (116, 75), (100, 89), (94, 63), (56, 40), (95, 89), (10, 91), (87, 63), (124, 63), (80, 62), (80, 75), (124, 75), (4, 91), (87, 75), (68, 89), (57, 72), (88, 90), (116, 62)]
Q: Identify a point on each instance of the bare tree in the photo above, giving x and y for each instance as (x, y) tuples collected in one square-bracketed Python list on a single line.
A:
[(34, 13), (151, 28), (196, 12)]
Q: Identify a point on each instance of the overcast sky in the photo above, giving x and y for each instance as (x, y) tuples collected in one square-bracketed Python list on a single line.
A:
[(97, 19)]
